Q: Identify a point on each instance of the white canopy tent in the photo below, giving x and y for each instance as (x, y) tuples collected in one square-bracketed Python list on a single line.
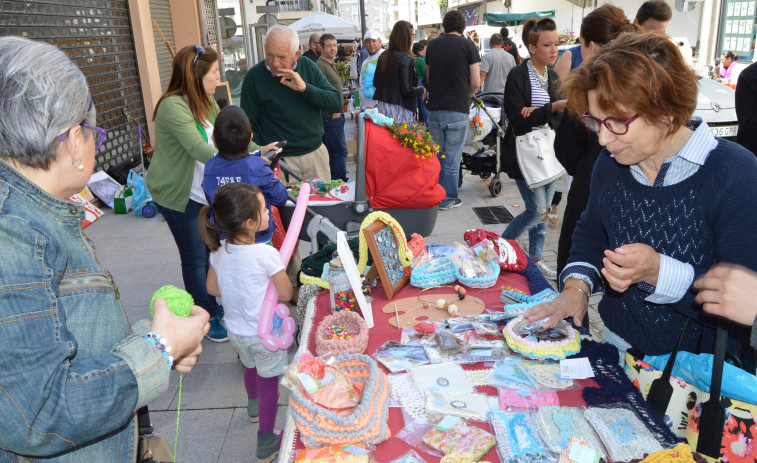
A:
[(325, 23)]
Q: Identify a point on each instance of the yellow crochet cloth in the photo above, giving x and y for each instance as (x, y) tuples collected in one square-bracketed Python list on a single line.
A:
[(681, 453)]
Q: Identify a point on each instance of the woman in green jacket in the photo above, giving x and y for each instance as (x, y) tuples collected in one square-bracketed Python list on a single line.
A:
[(184, 118)]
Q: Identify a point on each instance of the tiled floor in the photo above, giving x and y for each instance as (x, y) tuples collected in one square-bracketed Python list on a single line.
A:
[(213, 426)]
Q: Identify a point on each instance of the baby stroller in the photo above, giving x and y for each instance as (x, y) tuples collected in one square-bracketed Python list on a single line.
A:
[(484, 160), (323, 222)]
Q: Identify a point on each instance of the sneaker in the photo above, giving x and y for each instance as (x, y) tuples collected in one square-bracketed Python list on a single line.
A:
[(451, 205), (217, 332), (546, 271), (252, 409), (268, 446)]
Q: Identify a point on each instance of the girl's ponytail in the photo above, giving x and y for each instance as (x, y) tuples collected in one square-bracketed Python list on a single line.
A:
[(208, 230)]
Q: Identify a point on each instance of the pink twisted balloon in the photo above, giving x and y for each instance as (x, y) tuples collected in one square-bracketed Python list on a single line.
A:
[(271, 299)]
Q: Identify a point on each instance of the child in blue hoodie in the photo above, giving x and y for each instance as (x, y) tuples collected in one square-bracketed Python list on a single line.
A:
[(233, 163)]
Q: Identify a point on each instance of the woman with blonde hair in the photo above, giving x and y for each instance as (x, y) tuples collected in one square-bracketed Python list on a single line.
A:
[(184, 118)]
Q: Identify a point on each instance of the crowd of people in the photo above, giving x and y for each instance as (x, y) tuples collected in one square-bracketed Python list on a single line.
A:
[(651, 220)]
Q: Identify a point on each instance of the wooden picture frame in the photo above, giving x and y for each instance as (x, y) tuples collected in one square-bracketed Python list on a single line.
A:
[(223, 91), (382, 244)]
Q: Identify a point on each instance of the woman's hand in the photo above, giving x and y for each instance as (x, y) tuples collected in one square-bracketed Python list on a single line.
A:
[(525, 112), (729, 291), (184, 364), (184, 335), (569, 303), (631, 264)]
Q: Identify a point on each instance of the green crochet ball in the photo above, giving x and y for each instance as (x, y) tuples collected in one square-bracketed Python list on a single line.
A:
[(179, 301)]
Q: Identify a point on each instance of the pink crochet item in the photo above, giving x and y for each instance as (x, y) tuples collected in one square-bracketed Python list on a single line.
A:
[(516, 263), (416, 244), (352, 322)]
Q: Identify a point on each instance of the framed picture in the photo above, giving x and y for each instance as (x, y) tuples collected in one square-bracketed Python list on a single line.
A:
[(729, 9), (728, 26), (737, 9), (749, 25), (742, 26), (384, 249), (750, 9)]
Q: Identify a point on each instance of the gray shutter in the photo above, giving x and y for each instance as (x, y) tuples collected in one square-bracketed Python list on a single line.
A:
[(97, 36), (161, 13)]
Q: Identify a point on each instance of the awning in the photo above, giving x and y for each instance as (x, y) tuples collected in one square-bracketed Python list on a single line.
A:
[(323, 23), (515, 19)]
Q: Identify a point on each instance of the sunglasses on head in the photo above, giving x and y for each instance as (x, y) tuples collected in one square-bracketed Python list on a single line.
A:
[(198, 51)]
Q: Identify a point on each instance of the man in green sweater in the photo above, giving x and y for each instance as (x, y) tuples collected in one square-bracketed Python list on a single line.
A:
[(333, 123), (283, 96)]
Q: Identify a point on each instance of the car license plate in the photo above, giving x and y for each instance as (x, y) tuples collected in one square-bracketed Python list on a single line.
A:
[(725, 130)]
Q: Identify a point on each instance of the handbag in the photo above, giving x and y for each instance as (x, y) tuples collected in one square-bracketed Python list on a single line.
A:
[(535, 152), (153, 448), (720, 428)]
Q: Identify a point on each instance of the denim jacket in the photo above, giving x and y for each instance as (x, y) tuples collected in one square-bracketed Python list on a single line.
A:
[(72, 373)]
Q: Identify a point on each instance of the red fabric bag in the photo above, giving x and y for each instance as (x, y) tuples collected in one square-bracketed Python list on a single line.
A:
[(394, 177)]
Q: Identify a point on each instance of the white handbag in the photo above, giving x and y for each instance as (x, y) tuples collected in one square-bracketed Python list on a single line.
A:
[(536, 157)]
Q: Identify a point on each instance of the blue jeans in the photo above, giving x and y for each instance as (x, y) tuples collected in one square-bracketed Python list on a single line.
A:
[(193, 252), (448, 129), (538, 202), (333, 138)]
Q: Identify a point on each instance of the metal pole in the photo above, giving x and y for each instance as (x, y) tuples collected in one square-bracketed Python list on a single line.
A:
[(362, 19)]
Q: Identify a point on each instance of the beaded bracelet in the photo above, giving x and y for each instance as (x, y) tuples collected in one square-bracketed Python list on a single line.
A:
[(160, 343)]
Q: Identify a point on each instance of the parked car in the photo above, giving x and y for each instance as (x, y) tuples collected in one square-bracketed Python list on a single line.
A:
[(716, 105)]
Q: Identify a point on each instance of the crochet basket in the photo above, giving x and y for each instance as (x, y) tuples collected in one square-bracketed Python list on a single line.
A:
[(350, 320), (480, 282), (421, 278), (367, 422)]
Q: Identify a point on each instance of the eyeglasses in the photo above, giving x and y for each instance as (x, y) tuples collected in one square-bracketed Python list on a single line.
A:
[(198, 51), (97, 132), (614, 125)]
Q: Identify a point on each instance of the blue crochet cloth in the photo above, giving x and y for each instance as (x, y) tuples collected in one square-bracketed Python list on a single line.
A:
[(615, 388)]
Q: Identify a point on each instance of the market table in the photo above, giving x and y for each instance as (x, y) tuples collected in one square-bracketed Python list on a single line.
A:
[(318, 307)]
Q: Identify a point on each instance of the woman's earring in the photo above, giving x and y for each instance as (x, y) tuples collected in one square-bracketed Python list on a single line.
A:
[(78, 166)]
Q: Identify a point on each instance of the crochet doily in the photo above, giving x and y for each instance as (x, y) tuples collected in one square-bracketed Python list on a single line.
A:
[(406, 394), (625, 436), (558, 424), (517, 438), (547, 375), (441, 377)]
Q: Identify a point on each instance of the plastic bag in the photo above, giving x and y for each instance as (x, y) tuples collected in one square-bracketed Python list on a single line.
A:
[(140, 196), (397, 357), (455, 435), (470, 271), (518, 437), (410, 457), (352, 453), (323, 384)]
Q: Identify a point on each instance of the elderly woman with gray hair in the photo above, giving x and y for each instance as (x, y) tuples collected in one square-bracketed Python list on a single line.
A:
[(73, 371)]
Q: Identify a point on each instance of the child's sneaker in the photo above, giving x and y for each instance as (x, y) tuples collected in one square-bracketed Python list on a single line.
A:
[(269, 445), (217, 332), (252, 410)]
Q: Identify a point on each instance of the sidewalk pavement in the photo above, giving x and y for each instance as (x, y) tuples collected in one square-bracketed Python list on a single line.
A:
[(213, 424)]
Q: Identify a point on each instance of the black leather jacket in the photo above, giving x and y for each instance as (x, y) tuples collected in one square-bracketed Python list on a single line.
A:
[(397, 84)]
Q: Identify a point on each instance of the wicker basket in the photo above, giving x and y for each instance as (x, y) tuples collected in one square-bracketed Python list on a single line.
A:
[(350, 320), (366, 423)]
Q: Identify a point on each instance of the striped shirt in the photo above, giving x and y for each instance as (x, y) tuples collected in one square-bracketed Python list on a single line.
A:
[(539, 96), (675, 277)]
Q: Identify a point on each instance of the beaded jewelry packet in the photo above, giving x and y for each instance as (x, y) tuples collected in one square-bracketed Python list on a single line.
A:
[(518, 439), (397, 357), (623, 434), (441, 377), (558, 424), (469, 406), (460, 437)]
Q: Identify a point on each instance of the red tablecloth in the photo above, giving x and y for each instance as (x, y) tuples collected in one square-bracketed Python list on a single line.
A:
[(383, 331)]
